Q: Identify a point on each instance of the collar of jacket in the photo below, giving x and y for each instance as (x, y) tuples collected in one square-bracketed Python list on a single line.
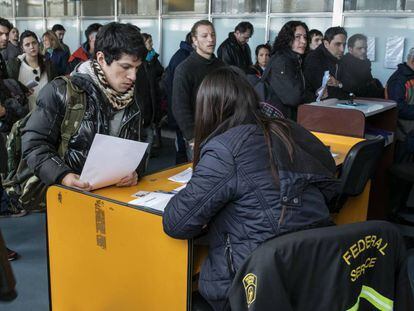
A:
[(185, 46), (321, 48), (85, 82), (202, 59), (405, 69), (351, 59)]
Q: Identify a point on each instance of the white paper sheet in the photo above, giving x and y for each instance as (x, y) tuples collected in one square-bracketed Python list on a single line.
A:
[(110, 159), (323, 86), (183, 177), (394, 50), (371, 49), (155, 200)]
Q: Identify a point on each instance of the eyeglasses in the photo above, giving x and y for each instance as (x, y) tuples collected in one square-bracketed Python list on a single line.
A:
[(37, 78)]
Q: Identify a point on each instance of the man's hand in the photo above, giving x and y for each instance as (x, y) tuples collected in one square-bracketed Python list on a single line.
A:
[(2, 111), (129, 180), (72, 180), (333, 82)]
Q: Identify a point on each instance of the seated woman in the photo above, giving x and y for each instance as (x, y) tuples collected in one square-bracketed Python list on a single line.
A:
[(31, 66), (262, 59), (255, 177), (54, 52), (285, 68)]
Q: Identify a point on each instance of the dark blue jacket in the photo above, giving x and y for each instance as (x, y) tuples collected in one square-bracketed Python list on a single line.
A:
[(178, 57), (59, 59), (233, 191)]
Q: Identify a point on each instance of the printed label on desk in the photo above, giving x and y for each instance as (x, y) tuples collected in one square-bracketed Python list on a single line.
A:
[(154, 200), (100, 224)]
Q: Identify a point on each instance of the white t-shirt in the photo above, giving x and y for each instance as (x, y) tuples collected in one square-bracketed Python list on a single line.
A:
[(26, 74)]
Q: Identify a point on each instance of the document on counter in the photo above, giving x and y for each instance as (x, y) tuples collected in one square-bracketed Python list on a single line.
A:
[(154, 200), (110, 159), (321, 90), (183, 177)]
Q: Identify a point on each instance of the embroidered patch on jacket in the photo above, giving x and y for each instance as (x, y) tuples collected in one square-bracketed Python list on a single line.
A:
[(250, 287)]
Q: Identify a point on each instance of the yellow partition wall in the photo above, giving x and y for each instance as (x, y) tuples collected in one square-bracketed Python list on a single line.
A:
[(104, 255)]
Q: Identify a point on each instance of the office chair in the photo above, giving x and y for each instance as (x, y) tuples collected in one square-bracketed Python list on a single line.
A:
[(359, 266), (359, 166)]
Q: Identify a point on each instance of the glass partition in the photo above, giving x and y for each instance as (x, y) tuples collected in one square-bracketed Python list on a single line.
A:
[(60, 8), (184, 6), (373, 5), (149, 26), (34, 25), (137, 7), (6, 8), (98, 8), (29, 8), (239, 6), (289, 6)]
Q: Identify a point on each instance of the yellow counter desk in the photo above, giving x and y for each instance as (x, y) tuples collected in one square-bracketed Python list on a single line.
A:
[(107, 255)]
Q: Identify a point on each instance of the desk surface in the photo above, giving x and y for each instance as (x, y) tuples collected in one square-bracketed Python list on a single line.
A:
[(106, 255), (367, 107)]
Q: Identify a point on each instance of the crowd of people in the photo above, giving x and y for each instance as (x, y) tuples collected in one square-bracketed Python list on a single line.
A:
[(257, 173)]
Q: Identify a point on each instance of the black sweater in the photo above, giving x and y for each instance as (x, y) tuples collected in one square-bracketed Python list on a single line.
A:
[(187, 79)]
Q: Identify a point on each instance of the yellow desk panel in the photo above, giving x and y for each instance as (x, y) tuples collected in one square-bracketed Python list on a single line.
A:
[(104, 255)]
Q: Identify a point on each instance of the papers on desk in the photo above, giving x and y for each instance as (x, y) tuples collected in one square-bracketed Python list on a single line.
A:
[(334, 155), (154, 200), (183, 177), (110, 159)]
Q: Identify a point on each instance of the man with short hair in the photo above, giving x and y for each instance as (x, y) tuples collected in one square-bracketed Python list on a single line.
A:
[(400, 88), (326, 58), (315, 38), (112, 108), (235, 50), (13, 48), (189, 75), (355, 70), (86, 50), (60, 31)]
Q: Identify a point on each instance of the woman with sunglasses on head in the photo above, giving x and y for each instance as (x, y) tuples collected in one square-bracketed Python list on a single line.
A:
[(255, 177), (30, 68)]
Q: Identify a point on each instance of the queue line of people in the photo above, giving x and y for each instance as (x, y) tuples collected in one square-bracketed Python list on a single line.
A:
[(257, 173)]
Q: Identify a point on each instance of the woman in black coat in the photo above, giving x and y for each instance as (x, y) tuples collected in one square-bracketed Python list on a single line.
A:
[(284, 72)]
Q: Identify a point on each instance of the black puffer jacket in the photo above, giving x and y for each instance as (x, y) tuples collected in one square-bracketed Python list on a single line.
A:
[(285, 77), (233, 54), (41, 136)]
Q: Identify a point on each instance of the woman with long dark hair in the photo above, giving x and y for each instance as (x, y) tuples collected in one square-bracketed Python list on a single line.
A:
[(30, 68), (255, 177), (284, 72)]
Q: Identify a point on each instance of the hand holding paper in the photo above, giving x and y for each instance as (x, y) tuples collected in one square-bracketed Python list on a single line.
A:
[(110, 159)]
